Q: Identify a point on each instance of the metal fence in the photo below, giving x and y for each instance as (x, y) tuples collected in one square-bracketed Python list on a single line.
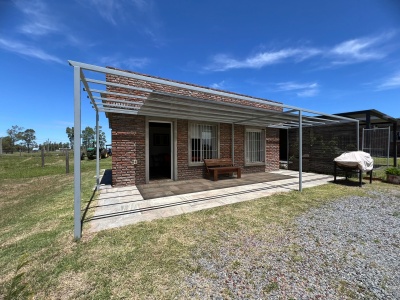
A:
[(376, 142)]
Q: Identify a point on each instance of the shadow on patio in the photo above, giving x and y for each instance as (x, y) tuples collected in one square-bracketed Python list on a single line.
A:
[(120, 206)]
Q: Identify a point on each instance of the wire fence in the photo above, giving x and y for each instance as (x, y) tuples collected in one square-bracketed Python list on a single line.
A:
[(376, 142)]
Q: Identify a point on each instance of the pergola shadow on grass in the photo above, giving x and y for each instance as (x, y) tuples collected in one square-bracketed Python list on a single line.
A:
[(157, 103), (105, 180)]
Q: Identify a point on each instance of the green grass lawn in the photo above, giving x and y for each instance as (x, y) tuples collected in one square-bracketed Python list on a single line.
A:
[(145, 260)]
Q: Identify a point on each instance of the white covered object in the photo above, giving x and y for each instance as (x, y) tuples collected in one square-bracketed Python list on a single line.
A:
[(359, 159)]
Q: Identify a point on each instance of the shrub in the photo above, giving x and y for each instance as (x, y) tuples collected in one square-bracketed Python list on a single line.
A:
[(393, 171)]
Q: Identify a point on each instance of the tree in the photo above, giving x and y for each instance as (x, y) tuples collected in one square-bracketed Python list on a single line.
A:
[(28, 136), (7, 144), (14, 133), (102, 139), (70, 133), (88, 137)]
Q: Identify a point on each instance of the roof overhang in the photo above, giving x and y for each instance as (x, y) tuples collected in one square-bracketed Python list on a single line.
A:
[(245, 111)]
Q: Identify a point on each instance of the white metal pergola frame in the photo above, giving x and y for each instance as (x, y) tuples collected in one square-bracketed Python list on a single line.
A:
[(159, 104)]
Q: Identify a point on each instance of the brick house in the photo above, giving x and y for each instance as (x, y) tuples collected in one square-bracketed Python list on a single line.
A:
[(166, 144), (164, 129)]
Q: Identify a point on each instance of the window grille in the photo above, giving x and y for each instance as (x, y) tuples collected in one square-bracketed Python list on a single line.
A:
[(203, 142), (255, 146)]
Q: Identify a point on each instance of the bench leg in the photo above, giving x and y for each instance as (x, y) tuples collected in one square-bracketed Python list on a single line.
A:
[(360, 178), (334, 172), (215, 175), (239, 173)]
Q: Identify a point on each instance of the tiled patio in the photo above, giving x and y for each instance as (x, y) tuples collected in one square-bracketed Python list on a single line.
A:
[(122, 206)]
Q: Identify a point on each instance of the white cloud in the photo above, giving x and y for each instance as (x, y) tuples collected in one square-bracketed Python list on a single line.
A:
[(301, 89), (359, 50), (39, 21), (223, 62), (347, 52), (113, 10), (26, 50), (218, 85), (122, 63), (392, 82), (107, 9)]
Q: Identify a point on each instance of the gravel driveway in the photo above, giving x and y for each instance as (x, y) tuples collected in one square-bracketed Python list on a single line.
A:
[(348, 249)]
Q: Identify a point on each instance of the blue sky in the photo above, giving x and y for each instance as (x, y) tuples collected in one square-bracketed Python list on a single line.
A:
[(329, 56)]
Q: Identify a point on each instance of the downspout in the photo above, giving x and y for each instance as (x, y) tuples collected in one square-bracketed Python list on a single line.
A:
[(77, 154)]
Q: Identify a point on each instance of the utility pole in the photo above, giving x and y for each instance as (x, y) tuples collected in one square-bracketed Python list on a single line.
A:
[(1, 145)]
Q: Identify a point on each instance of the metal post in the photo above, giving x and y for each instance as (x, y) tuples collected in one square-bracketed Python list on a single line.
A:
[(300, 151), (42, 155), (77, 154), (358, 135), (233, 144), (363, 137), (287, 147), (97, 152), (395, 144), (1, 146), (388, 151), (67, 161)]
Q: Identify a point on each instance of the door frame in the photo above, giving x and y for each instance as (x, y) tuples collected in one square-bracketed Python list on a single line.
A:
[(173, 144)]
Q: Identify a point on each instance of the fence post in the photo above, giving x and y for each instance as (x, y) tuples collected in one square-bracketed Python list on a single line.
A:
[(67, 161), (42, 157)]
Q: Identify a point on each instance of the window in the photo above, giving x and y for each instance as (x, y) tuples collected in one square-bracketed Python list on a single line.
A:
[(203, 142), (255, 146)]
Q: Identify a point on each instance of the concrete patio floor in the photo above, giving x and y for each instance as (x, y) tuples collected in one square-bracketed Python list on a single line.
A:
[(121, 206)]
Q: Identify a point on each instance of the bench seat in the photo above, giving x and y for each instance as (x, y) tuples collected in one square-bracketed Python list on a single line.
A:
[(216, 166)]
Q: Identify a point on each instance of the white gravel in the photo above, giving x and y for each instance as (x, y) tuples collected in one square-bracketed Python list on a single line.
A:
[(349, 249)]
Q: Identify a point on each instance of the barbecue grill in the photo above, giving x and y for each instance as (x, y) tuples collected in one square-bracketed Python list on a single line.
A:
[(354, 162)]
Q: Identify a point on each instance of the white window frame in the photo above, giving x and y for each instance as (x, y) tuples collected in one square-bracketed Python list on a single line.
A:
[(190, 136), (262, 146)]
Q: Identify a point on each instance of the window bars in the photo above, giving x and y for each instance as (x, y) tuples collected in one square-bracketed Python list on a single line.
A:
[(255, 146), (204, 143)]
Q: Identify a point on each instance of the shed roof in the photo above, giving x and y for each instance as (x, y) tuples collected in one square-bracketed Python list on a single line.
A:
[(375, 117)]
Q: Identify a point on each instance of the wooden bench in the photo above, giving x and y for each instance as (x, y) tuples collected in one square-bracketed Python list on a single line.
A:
[(218, 166)]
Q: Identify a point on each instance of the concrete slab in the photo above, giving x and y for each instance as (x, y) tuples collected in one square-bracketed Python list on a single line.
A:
[(123, 206)]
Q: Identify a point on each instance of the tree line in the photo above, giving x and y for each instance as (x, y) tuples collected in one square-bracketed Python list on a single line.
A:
[(88, 137), (19, 139)]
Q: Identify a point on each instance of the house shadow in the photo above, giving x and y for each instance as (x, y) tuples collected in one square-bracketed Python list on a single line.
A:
[(106, 179)]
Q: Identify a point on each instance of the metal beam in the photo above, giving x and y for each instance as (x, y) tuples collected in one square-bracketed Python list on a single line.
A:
[(77, 154), (300, 151), (233, 144), (97, 152), (128, 107), (358, 135), (90, 96), (119, 100), (117, 94), (395, 144)]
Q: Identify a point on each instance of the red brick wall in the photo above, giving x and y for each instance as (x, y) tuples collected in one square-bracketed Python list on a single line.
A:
[(128, 137), (128, 144), (272, 149)]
